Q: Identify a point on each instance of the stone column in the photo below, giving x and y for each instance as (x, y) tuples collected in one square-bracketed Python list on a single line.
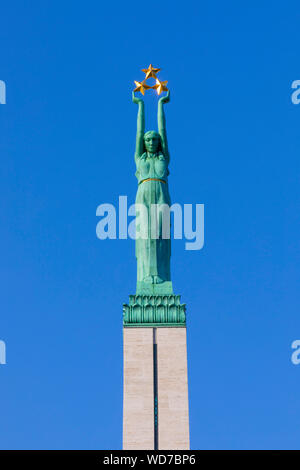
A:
[(155, 365), (173, 406), (138, 409)]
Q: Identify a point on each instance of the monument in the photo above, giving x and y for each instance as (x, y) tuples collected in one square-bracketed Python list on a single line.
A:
[(155, 405)]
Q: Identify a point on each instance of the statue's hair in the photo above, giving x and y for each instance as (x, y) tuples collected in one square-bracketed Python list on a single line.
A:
[(151, 132), (157, 135)]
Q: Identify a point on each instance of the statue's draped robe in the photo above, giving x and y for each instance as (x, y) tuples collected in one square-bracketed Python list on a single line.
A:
[(153, 254)]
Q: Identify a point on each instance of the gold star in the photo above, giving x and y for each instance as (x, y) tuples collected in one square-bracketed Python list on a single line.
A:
[(150, 72), (141, 87), (160, 86)]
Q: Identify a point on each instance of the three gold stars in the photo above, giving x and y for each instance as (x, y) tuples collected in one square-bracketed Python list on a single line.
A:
[(151, 72)]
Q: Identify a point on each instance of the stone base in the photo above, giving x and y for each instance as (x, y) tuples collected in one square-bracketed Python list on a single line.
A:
[(155, 384), (138, 412), (173, 407)]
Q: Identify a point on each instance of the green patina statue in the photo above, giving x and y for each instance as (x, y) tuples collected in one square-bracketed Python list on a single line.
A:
[(154, 304), (152, 160)]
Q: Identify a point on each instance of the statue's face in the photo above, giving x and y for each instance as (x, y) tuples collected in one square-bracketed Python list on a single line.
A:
[(151, 142)]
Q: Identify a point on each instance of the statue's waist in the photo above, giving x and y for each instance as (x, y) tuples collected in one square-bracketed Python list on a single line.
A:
[(152, 179)]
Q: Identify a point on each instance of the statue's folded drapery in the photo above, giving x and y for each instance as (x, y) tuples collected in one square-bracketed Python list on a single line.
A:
[(153, 254)]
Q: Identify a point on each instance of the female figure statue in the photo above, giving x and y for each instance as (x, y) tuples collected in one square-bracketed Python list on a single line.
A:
[(152, 160)]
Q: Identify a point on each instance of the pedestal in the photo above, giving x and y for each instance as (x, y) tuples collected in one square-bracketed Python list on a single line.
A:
[(155, 407)]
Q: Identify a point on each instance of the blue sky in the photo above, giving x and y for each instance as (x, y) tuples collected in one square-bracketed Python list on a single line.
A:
[(67, 144)]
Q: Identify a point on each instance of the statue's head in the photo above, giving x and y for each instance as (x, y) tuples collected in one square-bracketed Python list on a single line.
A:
[(152, 141)]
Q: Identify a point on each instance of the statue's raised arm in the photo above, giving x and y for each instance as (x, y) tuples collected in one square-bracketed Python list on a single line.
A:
[(161, 120), (140, 131)]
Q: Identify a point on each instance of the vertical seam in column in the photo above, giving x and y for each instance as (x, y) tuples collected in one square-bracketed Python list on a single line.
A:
[(155, 390)]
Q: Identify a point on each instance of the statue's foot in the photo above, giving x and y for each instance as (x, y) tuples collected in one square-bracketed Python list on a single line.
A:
[(148, 279), (158, 280)]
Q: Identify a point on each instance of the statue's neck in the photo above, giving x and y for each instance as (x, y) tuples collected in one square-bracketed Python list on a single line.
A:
[(151, 154)]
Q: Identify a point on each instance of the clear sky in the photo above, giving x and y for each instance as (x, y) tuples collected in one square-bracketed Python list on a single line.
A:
[(67, 145)]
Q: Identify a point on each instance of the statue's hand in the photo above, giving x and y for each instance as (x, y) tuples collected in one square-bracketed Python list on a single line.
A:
[(135, 99), (165, 99)]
